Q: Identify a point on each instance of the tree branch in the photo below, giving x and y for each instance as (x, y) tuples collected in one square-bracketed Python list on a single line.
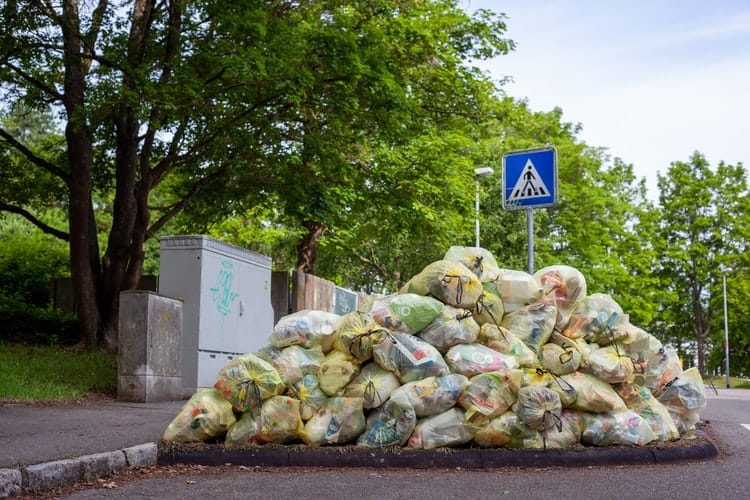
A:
[(29, 155), (5, 207)]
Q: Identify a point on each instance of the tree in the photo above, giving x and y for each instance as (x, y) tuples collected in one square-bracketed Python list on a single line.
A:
[(170, 105), (704, 229)]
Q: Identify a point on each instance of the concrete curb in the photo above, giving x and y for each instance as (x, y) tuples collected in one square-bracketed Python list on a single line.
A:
[(49, 475), (58, 473), (467, 458)]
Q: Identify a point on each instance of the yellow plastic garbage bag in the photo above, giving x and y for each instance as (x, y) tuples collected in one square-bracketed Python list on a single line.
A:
[(450, 282), (610, 364), (622, 427), (479, 260), (409, 357), (489, 395), (339, 421), (432, 395), (503, 340), (336, 371), (293, 362), (280, 421), (662, 367), (247, 381), (488, 309), (356, 335), (206, 415), (373, 384), (593, 394), (473, 359), (389, 425), (310, 395), (306, 328), (568, 287), (538, 407), (508, 431), (559, 360), (516, 289), (447, 429), (640, 400), (593, 319), (453, 326), (533, 324), (684, 397)]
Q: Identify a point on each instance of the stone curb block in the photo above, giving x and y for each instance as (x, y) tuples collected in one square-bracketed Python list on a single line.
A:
[(10, 482), (49, 475)]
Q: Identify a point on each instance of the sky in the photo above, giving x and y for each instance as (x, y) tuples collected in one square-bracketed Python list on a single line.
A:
[(651, 81)]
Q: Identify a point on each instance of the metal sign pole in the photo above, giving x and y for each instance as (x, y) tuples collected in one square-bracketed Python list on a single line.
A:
[(530, 239), (726, 329)]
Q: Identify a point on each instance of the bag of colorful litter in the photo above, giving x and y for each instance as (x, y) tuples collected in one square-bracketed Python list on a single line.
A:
[(684, 397), (502, 340), (310, 395), (533, 324), (610, 364), (450, 282), (479, 260), (338, 421), (545, 378), (473, 359), (489, 395), (336, 371), (593, 318), (568, 287), (662, 367), (508, 431), (293, 362), (409, 357), (389, 425), (558, 360), (356, 335), (623, 427), (538, 407), (453, 326), (444, 429), (432, 395), (564, 433), (373, 384), (516, 289), (306, 328), (406, 312), (593, 394), (280, 421), (247, 381), (206, 415), (244, 431), (640, 400)]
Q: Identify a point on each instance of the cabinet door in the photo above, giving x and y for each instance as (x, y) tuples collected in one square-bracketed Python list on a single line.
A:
[(219, 303)]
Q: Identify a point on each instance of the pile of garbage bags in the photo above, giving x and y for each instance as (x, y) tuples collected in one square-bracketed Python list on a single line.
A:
[(466, 353)]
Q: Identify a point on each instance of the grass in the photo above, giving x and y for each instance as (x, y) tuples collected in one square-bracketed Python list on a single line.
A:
[(734, 382), (52, 373)]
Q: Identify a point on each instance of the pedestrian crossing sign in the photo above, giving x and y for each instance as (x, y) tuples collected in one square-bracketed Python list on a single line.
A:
[(530, 178)]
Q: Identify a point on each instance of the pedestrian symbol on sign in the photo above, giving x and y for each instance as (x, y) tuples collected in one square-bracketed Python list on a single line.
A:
[(529, 184)]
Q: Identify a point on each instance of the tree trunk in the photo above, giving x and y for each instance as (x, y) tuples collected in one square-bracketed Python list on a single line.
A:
[(83, 246), (307, 248)]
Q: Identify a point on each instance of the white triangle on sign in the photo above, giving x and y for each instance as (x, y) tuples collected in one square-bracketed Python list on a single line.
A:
[(529, 184)]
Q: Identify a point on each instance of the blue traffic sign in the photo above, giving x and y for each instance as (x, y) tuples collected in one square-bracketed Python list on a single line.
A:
[(530, 178)]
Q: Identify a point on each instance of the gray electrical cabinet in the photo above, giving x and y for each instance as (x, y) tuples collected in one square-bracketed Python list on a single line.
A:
[(226, 294)]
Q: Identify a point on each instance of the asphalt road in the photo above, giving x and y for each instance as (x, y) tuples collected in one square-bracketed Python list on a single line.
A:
[(724, 477)]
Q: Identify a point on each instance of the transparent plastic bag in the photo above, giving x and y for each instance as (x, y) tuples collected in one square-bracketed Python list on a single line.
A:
[(280, 421), (336, 371), (310, 395), (405, 312), (247, 381), (473, 359), (538, 407), (432, 395), (516, 289), (453, 326), (445, 429), (504, 341), (206, 415), (488, 309), (533, 324), (623, 427), (558, 360), (479, 260), (293, 362), (685, 397), (662, 367), (389, 425), (610, 364), (489, 395), (640, 400), (568, 287), (508, 431), (339, 421), (409, 357), (373, 384), (449, 281), (593, 318), (593, 394), (357, 334), (306, 328)]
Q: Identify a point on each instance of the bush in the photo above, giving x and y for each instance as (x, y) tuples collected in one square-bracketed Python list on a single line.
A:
[(28, 324)]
